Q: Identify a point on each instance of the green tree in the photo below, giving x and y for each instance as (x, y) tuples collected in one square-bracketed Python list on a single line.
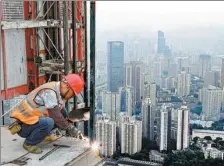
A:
[(221, 143), (208, 138), (190, 158), (195, 139)]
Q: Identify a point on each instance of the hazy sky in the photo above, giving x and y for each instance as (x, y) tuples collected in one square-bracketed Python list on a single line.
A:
[(151, 15)]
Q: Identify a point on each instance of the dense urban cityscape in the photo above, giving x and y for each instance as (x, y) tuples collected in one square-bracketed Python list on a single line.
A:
[(152, 106)]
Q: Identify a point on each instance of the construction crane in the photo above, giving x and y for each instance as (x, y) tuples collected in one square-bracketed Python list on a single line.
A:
[(39, 36)]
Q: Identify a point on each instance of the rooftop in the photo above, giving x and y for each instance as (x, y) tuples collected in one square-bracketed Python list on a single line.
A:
[(11, 147), (208, 131)]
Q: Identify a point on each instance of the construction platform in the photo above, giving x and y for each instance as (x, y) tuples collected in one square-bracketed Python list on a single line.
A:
[(79, 154)]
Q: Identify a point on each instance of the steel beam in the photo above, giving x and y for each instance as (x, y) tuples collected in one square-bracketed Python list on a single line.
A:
[(86, 101), (29, 24), (74, 66), (1, 104), (65, 28), (22, 24)]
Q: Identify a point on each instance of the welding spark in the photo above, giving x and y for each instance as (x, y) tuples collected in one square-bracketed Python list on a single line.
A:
[(95, 146)]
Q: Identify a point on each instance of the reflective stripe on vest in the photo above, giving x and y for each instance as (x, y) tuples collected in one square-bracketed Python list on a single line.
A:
[(25, 114)]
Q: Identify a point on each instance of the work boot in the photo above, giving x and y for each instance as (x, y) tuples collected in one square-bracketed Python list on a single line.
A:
[(32, 148), (50, 138)]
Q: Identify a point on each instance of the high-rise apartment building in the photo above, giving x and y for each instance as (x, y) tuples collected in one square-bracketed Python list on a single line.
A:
[(111, 104), (204, 64), (150, 92), (128, 74), (106, 135), (145, 78), (157, 69), (147, 119), (222, 74), (131, 136), (165, 126), (182, 62), (132, 77), (126, 100), (182, 128), (210, 78), (115, 65), (183, 84), (211, 102)]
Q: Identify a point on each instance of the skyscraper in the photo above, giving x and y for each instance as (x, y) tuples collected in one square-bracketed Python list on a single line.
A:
[(165, 126), (126, 100), (131, 136), (204, 64), (128, 74), (182, 62), (106, 135), (147, 119), (182, 128), (132, 73), (222, 74), (115, 63), (157, 69), (183, 84), (145, 78), (210, 78), (161, 43), (211, 102), (150, 92), (111, 104)]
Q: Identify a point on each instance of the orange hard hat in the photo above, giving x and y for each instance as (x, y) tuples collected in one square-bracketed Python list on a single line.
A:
[(76, 82)]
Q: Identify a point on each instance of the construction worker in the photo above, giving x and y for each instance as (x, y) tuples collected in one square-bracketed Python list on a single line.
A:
[(43, 109)]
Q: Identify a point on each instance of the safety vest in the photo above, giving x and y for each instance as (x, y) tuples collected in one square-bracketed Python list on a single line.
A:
[(29, 111)]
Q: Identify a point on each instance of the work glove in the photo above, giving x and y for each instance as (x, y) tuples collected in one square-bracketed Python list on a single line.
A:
[(74, 132)]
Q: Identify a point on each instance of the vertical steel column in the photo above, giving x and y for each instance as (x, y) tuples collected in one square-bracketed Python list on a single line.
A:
[(65, 28), (74, 67), (34, 43), (1, 105), (92, 70), (86, 66), (2, 111)]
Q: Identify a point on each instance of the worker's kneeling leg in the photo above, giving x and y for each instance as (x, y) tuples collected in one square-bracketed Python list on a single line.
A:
[(34, 134)]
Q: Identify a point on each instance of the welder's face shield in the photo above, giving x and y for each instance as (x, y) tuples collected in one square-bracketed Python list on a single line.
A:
[(81, 114)]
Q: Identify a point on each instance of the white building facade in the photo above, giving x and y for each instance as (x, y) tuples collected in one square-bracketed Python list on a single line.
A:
[(183, 84), (106, 135), (111, 104), (212, 102), (183, 128), (131, 136), (147, 119)]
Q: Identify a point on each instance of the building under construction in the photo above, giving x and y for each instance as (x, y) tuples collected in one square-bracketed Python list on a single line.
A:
[(40, 41)]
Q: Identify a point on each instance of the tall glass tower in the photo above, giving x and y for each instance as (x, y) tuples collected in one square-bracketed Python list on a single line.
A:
[(115, 65)]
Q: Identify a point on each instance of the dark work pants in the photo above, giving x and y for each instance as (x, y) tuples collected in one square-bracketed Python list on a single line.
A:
[(35, 133)]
